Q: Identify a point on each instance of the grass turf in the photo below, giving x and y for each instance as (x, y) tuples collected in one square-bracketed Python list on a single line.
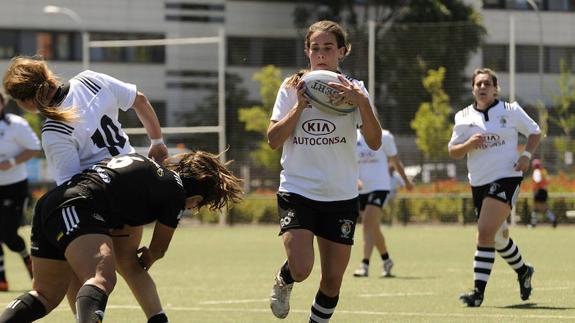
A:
[(213, 274)]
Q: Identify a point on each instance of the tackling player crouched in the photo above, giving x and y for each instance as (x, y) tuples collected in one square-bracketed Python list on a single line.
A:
[(72, 223)]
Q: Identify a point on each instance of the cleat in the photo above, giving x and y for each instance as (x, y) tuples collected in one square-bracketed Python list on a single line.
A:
[(525, 283), (387, 265), (472, 299), (361, 271), (279, 299), (3, 286)]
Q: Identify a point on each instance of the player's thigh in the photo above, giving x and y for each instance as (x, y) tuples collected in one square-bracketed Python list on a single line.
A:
[(371, 215), (126, 243), (334, 259), (493, 214), (298, 244), (92, 255), (51, 279)]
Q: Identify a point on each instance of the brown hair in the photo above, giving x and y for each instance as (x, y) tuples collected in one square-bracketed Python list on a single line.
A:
[(209, 177), (487, 71), (323, 26), (29, 78)]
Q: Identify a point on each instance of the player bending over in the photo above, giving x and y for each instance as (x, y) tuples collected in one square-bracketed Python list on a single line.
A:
[(72, 223)]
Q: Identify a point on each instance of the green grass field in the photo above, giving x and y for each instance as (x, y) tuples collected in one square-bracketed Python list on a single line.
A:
[(214, 274)]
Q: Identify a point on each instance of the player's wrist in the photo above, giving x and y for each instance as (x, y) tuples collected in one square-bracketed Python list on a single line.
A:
[(158, 141), (12, 161), (527, 154)]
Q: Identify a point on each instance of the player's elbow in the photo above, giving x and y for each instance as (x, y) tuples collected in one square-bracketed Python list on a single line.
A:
[(374, 144)]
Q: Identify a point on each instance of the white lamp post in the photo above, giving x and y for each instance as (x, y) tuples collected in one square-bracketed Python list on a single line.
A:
[(533, 5), (85, 35)]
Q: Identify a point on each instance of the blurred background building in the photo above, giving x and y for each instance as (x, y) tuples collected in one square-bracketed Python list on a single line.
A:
[(182, 81)]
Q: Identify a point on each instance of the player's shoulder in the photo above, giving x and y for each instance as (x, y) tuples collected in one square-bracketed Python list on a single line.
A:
[(464, 113), (57, 127), (353, 80), (386, 133), (92, 81), (510, 106), (16, 120)]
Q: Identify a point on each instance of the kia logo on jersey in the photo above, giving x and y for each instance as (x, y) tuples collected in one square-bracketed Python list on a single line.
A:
[(318, 127)]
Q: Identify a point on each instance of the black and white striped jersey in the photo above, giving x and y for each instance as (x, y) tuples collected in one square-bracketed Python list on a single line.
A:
[(124, 190), (72, 147), (500, 124)]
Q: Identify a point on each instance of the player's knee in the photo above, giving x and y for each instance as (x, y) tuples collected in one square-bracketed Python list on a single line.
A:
[(128, 266), (485, 238), (331, 284), (105, 281), (300, 270)]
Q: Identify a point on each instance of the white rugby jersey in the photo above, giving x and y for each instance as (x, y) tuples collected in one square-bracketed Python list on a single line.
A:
[(318, 158), (500, 125), (373, 165), (15, 137), (73, 147)]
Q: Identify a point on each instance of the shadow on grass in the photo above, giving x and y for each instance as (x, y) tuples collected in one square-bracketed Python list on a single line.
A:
[(535, 306)]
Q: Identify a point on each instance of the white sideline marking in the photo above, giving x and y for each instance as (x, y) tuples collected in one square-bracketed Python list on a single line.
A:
[(470, 314), (396, 294), (239, 301)]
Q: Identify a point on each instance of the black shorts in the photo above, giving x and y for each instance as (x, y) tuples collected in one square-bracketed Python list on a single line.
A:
[(61, 216), (334, 221), (504, 189), (540, 195), (377, 198)]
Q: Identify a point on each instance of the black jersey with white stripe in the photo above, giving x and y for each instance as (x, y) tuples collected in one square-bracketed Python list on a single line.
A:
[(125, 190), (97, 134)]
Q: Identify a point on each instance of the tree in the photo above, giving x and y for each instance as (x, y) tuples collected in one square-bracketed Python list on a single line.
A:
[(256, 117), (564, 117), (206, 114), (411, 38), (431, 124)]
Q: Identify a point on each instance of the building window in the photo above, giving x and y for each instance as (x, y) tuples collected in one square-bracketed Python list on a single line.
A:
[(559, 5), (8, 44), (527, 59), (496, 57), (253, 51), (142, 54), (554, 57)]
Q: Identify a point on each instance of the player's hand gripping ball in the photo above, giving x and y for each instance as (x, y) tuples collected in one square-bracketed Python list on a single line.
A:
[(323, 96)]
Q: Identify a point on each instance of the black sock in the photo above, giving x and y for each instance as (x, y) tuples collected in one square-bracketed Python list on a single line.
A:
[(365, 261), (90, 304), (482, 265), (2, 270), (25, 308), (285, 273), (322, 308), (512, 256), (385, 256), (158, 318)]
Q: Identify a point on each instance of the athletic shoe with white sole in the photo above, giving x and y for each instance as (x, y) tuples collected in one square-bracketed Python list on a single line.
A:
[(387, 265), (279, 299), (361, 271), (472, 299), (525, 282)]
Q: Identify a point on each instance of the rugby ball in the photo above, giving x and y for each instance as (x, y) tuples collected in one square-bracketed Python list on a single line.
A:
[(321, 95)]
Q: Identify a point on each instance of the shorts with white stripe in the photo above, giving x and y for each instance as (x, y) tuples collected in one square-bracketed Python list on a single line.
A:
[(377, 198), (505, 190), (52, 234)]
